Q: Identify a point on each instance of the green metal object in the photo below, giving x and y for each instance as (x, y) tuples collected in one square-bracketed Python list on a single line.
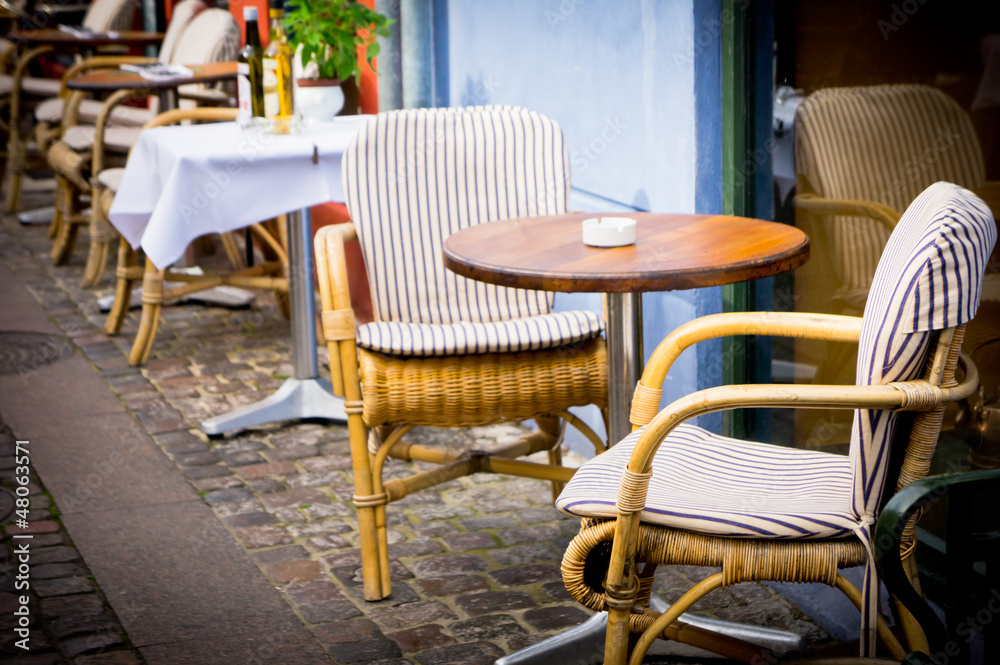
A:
[(964, 548), (738, 84)]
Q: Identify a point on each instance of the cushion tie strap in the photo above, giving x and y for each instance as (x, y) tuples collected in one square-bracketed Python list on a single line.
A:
[(869, 590)]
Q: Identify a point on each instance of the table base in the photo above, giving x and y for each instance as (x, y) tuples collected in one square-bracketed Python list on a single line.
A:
[(37, 216), (584, 644), (295, 399)]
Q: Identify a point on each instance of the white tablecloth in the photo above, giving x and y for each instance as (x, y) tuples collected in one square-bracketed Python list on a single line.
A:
[(185, 181)]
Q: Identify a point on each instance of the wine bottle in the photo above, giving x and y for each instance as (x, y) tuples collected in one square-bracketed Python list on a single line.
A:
[(279, 105), (249, 70)]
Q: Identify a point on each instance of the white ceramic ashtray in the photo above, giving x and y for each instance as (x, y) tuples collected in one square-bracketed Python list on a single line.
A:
[(609, 231)]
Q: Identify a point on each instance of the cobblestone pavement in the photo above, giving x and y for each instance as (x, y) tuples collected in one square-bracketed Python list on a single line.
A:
[(475, 562)]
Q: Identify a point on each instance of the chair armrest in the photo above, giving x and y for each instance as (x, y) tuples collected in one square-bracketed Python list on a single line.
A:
[(337, 314), (848, 207), (915, 395), (830, 327), (20, 71)]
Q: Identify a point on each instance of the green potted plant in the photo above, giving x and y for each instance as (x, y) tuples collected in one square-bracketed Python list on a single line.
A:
[(326, 36)]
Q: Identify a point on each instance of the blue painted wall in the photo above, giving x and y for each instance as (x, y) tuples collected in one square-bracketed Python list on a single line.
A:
[(636, 87)]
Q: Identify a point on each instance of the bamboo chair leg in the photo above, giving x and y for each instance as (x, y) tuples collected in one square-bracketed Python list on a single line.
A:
[(101, 234), (57, 218), (553, 427), (152, 304), (693, 595), (65, 240), (123, 288)]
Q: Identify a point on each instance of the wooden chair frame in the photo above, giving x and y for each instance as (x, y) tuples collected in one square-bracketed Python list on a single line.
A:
[(583, 371), (625, 592), (268, 275)]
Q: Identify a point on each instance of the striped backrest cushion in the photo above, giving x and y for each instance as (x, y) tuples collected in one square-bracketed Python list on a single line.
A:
[(929, 279), (108, 15), (885, 144), (414, 177), (181, 15)]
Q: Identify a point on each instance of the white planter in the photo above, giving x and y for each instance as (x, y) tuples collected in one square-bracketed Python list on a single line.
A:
[(318, 103)]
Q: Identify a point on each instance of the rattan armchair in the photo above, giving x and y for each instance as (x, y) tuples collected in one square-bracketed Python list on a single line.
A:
[(445, 351), (22, 92), (164, 286), (211, 36), (673, 493), (862, 154)]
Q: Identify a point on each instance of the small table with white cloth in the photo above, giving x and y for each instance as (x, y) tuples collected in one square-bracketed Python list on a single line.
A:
[(183, 182)]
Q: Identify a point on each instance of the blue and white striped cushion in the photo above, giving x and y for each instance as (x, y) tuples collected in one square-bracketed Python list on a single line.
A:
[(414, 177), (712, 484), (526, 334), (929, 278)]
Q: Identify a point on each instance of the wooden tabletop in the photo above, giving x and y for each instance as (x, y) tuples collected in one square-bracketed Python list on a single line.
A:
[(672, 251), (118, 79), (60, 39)]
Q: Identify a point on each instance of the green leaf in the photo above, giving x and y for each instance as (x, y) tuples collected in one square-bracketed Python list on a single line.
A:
[(328, 33)]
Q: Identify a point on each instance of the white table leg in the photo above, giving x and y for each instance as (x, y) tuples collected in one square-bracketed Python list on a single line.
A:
[(306, 395)]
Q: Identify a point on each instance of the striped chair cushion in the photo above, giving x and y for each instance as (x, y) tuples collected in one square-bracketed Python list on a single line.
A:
[(51, 111), (884, 144), (413, 177), (526, 334), (110, 15), (928, 279), (31, 85), (782, 492)]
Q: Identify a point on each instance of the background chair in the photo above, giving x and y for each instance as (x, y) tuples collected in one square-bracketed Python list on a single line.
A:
[(20, 91), (48, 113), (163, 286), (673, 493), (861, 156), (212, 36), (445, 351)]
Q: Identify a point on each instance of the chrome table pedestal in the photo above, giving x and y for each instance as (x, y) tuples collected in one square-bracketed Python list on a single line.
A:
[(306, 395)]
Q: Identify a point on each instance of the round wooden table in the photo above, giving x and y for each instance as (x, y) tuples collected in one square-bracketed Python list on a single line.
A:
[(108, 80), (672, 251)]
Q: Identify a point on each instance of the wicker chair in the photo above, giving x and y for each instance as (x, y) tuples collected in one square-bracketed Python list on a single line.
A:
[(445, 351), (20, 91), (270, 274), (862, 155), (211, 36), (673, 493)]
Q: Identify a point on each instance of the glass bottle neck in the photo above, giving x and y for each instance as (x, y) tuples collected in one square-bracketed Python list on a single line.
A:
[(253, 34), (277, 30)]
